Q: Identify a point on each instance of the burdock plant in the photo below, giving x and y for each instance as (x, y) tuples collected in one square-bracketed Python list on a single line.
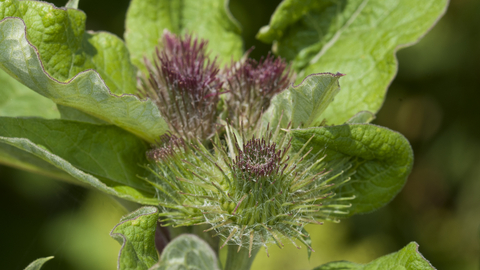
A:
[(246, 182), (181, 119)]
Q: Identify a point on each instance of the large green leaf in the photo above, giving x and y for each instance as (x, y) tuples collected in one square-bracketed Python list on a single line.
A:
[(100, 156), (69, 113), (303, 105), (67, 49), (85, 92), (136, 234), (207, 19), (355, 37), (17, 100), (381, 160), (105, 151), (408, 258), (187, 252), (38, 263)]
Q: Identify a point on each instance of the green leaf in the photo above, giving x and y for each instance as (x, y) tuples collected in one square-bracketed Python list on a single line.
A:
[(69, 113), (408, 258), (286, 14), (38, 263), (303, 105), (17, 100), (381, 160), (187, 252), (100, 156), (355, 37), (14, 157), (362, 117), (86, 92), (67, 49), (136, 234), (101, 150), (207, 19)]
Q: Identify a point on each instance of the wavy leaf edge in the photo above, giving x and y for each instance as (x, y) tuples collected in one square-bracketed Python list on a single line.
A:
[(88, 71), (144, 211)]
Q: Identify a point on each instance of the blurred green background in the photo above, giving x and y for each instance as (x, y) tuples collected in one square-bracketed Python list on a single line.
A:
[(434, 102)]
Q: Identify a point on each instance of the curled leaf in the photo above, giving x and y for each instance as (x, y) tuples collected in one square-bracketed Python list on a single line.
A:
[(303, 104), (86, 92), (378, 159), (136, 233)]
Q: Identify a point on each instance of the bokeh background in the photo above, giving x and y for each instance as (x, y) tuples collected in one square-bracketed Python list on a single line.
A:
[(434, 102)]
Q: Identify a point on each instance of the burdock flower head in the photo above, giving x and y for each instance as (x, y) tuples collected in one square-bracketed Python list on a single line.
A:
[(251, 191), (237, 175), (252, 84), (185, 85)]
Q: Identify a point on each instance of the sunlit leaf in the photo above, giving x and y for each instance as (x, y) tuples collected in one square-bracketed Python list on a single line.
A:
[(207, 19), (86, 92), (303, 104), (357, 37), (66, 49)]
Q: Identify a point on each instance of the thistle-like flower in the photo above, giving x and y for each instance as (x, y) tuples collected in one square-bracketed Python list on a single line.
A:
[(185, 85), (252, 84)]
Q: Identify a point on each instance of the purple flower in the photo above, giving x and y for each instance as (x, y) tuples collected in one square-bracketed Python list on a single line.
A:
[(252, 84), (258, 158), (185, 85)]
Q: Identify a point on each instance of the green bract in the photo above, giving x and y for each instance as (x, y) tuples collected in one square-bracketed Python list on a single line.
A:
[(232, 142), (252, 191)]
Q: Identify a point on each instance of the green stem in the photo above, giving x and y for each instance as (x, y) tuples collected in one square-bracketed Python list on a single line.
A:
[(239, 260)]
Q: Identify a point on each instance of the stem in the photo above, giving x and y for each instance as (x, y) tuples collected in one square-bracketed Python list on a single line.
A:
[(239, 260)]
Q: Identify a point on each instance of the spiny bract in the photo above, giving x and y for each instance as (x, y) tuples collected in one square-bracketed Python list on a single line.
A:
[(251, 191)]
